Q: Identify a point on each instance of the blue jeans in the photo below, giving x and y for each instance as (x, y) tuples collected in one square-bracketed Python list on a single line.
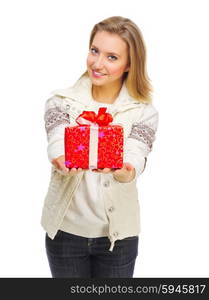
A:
[(74, 256)]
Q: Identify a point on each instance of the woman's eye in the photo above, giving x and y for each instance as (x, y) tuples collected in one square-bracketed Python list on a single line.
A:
[(113, 56), (93, 49)]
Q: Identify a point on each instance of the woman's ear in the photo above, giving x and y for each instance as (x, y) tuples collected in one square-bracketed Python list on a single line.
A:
[(127, 69)]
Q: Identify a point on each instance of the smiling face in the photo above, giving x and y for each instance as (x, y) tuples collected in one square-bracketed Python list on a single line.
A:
[(108, 55)]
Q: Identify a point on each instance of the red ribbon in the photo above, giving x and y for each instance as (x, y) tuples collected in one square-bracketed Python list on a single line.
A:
[(102, 118)]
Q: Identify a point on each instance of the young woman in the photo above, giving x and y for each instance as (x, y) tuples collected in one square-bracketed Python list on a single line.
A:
[(91, 217)]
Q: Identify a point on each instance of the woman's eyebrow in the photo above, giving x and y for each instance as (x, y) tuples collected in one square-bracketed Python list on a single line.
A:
[(106, 52)]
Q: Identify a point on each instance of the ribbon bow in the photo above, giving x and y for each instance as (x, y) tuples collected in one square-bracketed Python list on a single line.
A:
[(89, 117)]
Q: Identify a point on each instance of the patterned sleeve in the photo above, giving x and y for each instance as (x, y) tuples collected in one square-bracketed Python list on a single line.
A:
[(141, 138), (56, 119)]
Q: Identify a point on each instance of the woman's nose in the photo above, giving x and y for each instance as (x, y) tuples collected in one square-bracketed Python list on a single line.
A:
[(99, 62)]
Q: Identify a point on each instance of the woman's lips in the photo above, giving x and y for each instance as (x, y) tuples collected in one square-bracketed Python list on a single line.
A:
[(97, 74)]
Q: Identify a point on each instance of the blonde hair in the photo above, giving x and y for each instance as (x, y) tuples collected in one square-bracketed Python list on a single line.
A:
[(136, 79)]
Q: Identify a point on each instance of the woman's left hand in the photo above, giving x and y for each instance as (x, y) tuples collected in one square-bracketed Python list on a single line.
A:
[(125, 174)]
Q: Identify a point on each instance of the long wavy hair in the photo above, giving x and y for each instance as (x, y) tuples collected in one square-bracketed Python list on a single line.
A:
[(136, 79)]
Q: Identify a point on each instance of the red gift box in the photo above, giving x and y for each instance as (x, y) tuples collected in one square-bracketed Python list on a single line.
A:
[(95, 142)]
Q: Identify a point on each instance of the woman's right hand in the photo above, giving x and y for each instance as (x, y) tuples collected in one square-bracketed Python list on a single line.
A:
[(59, 164)]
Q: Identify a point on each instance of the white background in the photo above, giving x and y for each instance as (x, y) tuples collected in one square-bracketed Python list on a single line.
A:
[(44, 45)]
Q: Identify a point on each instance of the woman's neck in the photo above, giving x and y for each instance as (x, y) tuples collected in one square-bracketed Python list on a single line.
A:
[(105, 94)]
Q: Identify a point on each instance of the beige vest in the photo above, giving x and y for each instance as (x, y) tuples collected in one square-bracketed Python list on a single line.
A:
[(140, 122)]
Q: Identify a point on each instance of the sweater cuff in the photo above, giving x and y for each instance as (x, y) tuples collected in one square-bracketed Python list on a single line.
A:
[(138, 163), (55, 150), (138, 171)]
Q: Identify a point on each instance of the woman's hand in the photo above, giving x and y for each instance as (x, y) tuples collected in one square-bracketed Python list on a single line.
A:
[(125, 174), (59, 163)]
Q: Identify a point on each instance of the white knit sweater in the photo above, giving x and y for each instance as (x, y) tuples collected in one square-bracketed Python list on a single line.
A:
[(86, 215)]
